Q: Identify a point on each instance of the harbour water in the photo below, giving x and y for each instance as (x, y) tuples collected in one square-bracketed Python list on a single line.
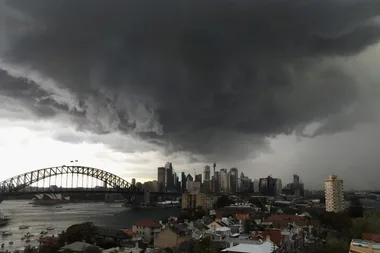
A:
[(112, 215)]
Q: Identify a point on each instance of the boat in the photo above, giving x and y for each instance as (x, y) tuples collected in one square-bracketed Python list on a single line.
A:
[(43, 232), (49, 199), (28, 235), (27, 240), (23, 227), (3, 220), (10, 242), (6, 233), (50, 228), (159, 205), (59, 206)]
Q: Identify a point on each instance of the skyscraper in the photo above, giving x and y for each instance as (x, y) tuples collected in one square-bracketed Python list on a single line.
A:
[(161, 175), (206, 173), (233, 180), (334, 194), (169, 177)]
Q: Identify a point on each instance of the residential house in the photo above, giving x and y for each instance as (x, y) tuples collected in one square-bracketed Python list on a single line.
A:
[(76, 247), (363, 246), (172, 236), (282, 221), (214, 225), (275, 236), (265, 247), (146, 228), (226, 222), (134, 249), (371, 237)]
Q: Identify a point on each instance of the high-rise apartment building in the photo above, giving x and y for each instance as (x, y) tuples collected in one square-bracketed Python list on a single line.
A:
[(334, 194), (161, 176), (194, 200), (224, 181)]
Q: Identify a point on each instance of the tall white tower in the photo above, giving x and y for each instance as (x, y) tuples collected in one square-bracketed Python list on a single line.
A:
[(334, 194)]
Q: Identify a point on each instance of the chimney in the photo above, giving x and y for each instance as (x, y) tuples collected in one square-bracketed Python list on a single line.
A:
[(231, 244), (136, 244), (267, 238)]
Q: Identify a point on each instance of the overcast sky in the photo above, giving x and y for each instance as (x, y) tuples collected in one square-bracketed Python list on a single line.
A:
[(271, 87)]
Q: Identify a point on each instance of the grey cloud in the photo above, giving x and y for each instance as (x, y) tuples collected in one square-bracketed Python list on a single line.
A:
[(194, 75)]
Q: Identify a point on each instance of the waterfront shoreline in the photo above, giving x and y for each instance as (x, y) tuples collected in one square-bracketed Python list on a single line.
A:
[(113, 215)]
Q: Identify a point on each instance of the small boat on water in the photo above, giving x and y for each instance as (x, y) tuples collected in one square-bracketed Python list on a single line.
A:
[(23, 227), (50, 228), (27, 240), (43, 232), (3, 220), (10, 242), (58, 206), (6, 233), (28, 235)]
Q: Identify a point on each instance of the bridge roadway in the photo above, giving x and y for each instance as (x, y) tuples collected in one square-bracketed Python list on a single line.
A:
[(23, 184), (84, 191)]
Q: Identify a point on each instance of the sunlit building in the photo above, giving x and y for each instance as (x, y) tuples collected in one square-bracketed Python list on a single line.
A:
[(334, 194)]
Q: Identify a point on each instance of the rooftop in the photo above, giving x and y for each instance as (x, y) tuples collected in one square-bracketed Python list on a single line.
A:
[(147, 223), (266, 247)]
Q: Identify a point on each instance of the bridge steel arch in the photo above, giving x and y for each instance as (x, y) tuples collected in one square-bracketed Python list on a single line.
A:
[(21, 181)]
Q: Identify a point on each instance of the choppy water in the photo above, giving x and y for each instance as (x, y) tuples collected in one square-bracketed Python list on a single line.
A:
[(39, 217)]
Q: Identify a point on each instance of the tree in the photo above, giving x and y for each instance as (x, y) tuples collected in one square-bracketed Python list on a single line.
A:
[(199, 212), (30, 249), (355, 210), (92, 249), (78, 232), (187, 246), (223, 201), (204, 245), (370, 223)]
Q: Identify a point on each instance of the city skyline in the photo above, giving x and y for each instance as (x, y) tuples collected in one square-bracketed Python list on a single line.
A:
[(192, 90)]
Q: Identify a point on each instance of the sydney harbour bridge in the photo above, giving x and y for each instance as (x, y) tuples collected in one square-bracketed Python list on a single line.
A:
[(74, 179)]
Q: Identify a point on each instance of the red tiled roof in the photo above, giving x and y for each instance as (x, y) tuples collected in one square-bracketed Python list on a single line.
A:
[(128, 232), (48, 240), (147, 223), (371, 237), (274, 234), (286, 217)]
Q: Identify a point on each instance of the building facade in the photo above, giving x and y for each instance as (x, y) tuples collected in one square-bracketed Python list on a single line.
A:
[(334, 194)]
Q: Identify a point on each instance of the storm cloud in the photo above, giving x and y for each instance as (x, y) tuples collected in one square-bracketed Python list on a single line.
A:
[(214, 78)]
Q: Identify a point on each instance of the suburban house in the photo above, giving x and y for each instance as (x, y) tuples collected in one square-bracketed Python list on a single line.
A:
[(172, 236), (147, 229), (363, 246), (282, 221), (265, 247)]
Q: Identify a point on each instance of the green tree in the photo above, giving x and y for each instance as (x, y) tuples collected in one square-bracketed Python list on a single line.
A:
[(370, 223), (204, 245), (337, 245), (78, 232), (92, 249), (199, 212), (187, 246), (30, 249), (355, 210), (223, 201)]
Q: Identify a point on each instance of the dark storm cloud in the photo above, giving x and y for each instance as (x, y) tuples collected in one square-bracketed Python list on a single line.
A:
[(195, 75)]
